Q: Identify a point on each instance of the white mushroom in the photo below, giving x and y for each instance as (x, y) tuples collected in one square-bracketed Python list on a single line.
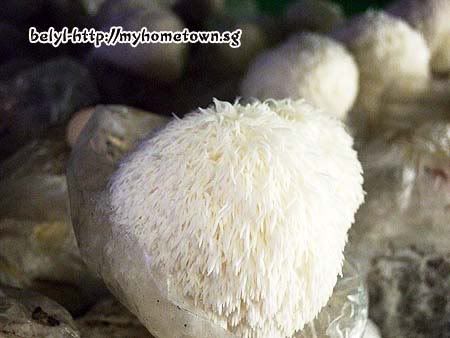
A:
[(387, 51), (432, 19), (309, 66), (247, 209), (372, 330)]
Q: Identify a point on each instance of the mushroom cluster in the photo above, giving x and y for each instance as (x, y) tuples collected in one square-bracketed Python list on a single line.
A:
[(234, 218)]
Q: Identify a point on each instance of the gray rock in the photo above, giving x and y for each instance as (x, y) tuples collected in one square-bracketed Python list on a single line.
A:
[(28, 314), (42, 96), (76, 125), (410, 293), (110, 319)]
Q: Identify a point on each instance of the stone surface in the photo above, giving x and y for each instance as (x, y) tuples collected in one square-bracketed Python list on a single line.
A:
[(109, 135), (38, 249), (28, 314), (410, 293), (407, 175), (110, 319), (42, 96), (76, 125)]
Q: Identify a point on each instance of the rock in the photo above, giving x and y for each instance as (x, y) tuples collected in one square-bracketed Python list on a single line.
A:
[(372, 331), (110, 319), (38, 249), (40, 97), (28, 314), (108, 136), (158, 61), (409, 293), (77, 124), (406, 176)]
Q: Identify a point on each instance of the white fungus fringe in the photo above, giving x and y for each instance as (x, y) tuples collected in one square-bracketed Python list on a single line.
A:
[(248, 208)]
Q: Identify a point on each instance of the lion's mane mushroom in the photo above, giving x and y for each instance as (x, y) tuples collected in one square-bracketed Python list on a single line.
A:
[(309, 66), (246, 208), (387, 50), (432, 19)]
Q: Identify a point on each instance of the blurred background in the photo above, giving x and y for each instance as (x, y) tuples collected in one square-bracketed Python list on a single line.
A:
[(168, 79)]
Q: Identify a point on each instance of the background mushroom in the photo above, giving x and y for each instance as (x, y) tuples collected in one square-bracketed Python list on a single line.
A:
[(387, 50), (432, 19), (309, 66)]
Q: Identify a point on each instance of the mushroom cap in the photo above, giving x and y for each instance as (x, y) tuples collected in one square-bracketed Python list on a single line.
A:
[(432, 19), (386, 50), (429, 17), (246, 208), (309, 66)]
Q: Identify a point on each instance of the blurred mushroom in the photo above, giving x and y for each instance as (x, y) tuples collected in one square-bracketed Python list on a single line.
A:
[(309, 66)]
